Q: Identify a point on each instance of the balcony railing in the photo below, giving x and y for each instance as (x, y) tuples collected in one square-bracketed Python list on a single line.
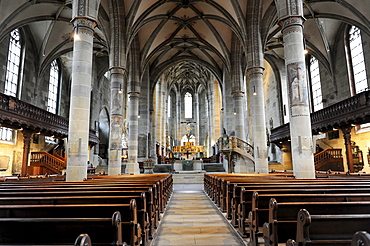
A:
[(354, 110), (17, 114)]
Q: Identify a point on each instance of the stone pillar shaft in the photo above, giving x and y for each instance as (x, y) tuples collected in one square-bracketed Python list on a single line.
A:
[(159, 114), (132, 166), (178, 117), (79, 115), (291, 21), (153, 146), (116, 120), (239, 103), (196, 106), (255, 75)]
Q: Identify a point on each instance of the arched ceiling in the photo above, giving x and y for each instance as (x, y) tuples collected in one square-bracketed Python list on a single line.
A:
[(170, 32), (187, 75)]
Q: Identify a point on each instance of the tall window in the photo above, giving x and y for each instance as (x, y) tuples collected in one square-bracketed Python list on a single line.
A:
[(315, 84), (169, 106), (53, 87), (358, 61), (188, 105), (12, 68), (11, 77)]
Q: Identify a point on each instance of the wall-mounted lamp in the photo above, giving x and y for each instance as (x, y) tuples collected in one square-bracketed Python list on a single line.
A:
[(76, 36), (138, 116), (254, 91), (120, 89)]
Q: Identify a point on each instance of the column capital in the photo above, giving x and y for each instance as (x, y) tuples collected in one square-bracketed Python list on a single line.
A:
[(255, 71), (84, 25), (117, 70), (291, 21), (237, 94), (134, 94)]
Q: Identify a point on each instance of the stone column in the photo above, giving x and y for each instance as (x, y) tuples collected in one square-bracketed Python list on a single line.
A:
[(153, 149), (239, 102), (26, 151), (178, 117), (159, 114), (116, 120), (164, 121), (347, 143), (79, 113), (132, 166), (255, 76), (291, 21), (196, 114), (237, 92)]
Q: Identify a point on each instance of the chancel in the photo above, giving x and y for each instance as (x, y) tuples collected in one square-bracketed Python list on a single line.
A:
[(225, 97)]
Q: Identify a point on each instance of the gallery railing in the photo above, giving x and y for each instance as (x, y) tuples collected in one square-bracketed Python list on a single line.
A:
[(17, 114), (354, 110)]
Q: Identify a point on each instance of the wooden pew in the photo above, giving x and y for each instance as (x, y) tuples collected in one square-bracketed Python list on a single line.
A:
[(245, 192), (246, 205), (97, 190), (361, 238), (142, 216), (146, 214), (328, 229), (258, 212), (58, 224), (282, 224)]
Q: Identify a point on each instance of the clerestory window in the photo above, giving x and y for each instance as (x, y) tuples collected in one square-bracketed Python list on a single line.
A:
[(357, 58), (315, 84), (53, 87), (11, 78), (188, 101)]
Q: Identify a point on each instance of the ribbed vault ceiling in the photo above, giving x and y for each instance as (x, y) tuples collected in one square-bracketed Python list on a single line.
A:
[(170, 32)]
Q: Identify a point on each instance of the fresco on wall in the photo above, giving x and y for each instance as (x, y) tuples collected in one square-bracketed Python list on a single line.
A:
[(298, 94)]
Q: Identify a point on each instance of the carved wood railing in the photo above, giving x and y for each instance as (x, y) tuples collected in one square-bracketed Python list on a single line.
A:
[(234, 144), (326, 156), (42, 158), (15, 114), (354, 110)]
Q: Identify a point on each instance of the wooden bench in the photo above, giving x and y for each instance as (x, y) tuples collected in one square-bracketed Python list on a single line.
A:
[(258, 210), (58, 224), (245, 192), (147, 216), (328, 229), (102, 191), (142, 214), (282, 224), (248, 196)]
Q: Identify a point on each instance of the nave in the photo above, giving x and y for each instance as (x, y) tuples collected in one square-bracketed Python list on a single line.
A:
[(192, 219)]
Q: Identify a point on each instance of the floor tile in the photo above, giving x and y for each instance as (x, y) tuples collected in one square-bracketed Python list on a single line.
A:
[(192, 219)]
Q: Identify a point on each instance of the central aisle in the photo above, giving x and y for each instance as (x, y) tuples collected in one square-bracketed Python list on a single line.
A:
[(191, 219)]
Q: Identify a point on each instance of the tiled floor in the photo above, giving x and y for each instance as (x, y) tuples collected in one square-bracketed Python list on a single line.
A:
[(191, 219)]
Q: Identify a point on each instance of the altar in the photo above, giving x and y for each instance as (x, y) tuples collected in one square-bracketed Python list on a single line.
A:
[(188, 165), (188, 153)]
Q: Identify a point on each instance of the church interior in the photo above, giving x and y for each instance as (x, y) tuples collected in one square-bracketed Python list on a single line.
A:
[(240, 106)]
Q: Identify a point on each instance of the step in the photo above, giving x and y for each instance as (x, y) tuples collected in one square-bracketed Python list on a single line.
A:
[(188, 177)]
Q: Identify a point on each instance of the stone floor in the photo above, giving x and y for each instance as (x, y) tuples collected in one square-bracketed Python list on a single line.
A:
[(191, 219)]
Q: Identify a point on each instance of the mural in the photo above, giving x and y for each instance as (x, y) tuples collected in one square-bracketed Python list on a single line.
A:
[(298, 93)]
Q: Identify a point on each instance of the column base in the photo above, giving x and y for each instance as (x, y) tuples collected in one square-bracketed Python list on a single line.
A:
[(132, 168), (261, 166), (114, 170), (78, 173)]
